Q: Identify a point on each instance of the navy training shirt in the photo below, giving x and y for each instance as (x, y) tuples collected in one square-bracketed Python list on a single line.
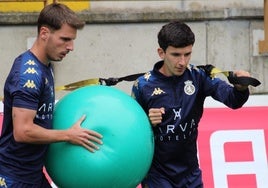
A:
[(30, 84), (183, 97)]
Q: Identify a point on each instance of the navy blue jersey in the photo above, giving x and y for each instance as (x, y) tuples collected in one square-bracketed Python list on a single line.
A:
[(30, 84), (183, 98)]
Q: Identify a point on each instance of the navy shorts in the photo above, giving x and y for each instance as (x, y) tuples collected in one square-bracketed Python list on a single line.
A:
[(193, 180), (6, 182)]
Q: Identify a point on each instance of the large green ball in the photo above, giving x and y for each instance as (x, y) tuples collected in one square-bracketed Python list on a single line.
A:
[(126, 154)]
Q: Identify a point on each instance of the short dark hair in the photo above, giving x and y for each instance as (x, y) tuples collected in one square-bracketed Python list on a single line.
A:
[(55, 15), (176, 34)]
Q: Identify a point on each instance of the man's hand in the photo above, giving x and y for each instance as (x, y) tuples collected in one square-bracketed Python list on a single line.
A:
[(84, 137), (155, 115), (241, 73)]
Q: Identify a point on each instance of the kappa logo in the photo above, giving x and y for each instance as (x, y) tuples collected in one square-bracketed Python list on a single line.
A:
[(30, 71), (30, 62), (157, 91), (30, 84), (136, 83), (147, 76), (3, 182)]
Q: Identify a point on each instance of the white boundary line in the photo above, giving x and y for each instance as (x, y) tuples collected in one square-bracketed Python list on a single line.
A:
[(253, 101)]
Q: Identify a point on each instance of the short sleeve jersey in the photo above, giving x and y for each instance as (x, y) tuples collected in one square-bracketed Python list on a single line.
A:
[(30, 85)]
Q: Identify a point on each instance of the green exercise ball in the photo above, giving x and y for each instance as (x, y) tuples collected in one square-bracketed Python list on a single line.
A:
[(127, 151)]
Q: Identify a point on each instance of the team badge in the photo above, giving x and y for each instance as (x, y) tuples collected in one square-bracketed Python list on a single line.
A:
[(189, 88)]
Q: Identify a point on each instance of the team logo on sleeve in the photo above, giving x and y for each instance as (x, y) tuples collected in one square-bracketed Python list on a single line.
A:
[(30, 84), (3, 182), (30, 71), (189, 88), (30, 62), (147, 76)]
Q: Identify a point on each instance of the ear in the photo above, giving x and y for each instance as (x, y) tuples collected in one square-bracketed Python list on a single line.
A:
[(44, 33), (161, 53)]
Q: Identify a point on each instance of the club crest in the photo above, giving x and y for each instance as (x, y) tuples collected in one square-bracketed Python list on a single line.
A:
[(189, 88)]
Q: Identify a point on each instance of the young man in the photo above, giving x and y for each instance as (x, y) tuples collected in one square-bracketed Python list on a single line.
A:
[(173, 95), (29, 102)]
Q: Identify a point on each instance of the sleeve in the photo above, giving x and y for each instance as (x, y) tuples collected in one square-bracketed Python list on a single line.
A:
[(26, 84), (135, 91), (225, 93)]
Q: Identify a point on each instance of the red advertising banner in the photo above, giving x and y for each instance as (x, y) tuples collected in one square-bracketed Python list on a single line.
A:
[(233, 147)]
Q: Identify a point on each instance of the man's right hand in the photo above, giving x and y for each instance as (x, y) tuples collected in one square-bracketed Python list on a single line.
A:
[(155, 115), (84, 137)]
